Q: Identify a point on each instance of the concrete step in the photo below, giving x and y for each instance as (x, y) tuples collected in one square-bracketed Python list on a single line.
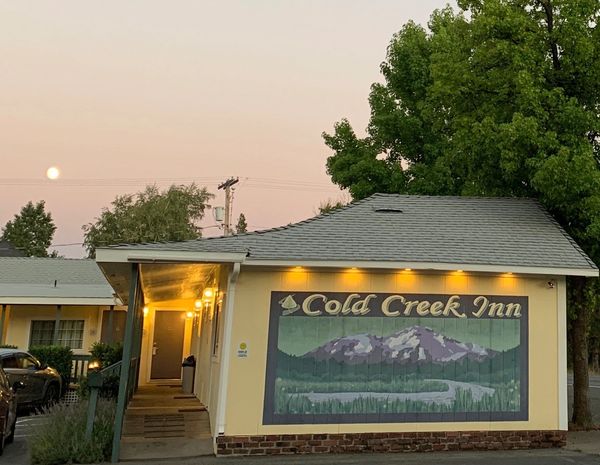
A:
[(164, 448)]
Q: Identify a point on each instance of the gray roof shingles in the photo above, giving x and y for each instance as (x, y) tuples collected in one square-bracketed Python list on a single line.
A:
[(454, 230), (35, 277)]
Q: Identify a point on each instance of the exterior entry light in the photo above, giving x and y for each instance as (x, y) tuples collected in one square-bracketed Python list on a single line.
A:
[(198, 303), (189, 314), (145, 310), (208, 292)]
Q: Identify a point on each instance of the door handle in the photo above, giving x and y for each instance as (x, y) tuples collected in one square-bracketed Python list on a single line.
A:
[(154, 349)]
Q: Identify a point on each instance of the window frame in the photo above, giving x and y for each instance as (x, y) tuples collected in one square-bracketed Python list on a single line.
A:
[(61, 331)]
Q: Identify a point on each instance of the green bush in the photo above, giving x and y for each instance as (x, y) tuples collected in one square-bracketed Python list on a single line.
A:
[(59, 435), (58, 357), (7, 346), (107, 354), (109, 390)]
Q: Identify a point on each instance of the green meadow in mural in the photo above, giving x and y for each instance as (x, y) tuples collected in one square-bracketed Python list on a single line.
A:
[(394, 365)]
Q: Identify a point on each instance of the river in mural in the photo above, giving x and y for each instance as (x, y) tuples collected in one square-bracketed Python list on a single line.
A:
[(380, 364)]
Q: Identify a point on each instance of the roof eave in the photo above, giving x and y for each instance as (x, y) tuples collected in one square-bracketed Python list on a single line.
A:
[(429, 266), (133, 255), (41, 300)]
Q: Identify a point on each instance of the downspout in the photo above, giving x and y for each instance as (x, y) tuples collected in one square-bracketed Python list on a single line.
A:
[(225, 355)]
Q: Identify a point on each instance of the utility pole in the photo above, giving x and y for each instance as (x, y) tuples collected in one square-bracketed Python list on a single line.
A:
[(228, 203)]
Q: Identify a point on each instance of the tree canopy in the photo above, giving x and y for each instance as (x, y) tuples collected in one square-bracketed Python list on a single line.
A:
[(497, 98), (242, 224), (149, 216), (31, 230)]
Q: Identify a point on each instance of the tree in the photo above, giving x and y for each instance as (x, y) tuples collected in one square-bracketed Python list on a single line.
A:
[(31, 231), (149, 216), (241, 226), (498, 98)]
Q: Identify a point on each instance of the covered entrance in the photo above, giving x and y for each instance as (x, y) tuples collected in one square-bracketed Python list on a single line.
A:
[(174, 311)]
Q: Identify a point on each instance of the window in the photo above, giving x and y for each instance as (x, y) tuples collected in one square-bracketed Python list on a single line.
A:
[(215, 329), (42, 333), (70, 333), (27, 362), (4, 380), (9, 362)]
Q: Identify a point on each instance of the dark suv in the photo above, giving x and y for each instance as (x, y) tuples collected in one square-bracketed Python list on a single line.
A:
[(41, 385), (8, 410)]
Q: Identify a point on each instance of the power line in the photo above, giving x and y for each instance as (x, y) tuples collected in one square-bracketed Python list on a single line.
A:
[(251, 183)]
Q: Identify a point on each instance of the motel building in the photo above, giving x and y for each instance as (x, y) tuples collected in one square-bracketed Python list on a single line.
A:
[(396, 323)]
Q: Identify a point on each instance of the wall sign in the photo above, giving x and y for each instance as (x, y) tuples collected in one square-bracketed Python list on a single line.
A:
[(242, 351), (389, 358)]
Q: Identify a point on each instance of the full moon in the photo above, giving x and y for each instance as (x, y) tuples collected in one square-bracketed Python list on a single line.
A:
[(52, 173)]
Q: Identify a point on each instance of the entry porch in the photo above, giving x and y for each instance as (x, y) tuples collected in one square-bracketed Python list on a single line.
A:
[(174, 310)]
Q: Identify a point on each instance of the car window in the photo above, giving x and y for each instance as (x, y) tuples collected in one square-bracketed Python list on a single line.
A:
[(26, 361), (9, 362), (4, 380)]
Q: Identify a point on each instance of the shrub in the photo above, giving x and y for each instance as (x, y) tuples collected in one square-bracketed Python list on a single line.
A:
[(59, 436), (7, 346), (58, 357), (107, 354)]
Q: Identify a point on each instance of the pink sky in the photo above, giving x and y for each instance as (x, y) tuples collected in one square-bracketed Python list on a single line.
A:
[(189, 90)]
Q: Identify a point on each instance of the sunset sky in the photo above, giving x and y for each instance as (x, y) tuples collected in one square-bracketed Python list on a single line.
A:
[(119, 94)]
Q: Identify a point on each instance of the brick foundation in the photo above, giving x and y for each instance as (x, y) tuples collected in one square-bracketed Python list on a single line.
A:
[(388, 442)]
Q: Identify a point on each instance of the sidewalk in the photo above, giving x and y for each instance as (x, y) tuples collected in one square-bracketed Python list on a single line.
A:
[(538, 457)]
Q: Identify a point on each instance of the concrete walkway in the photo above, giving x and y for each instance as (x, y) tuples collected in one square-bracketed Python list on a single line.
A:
[(534, 457), (163, 423)]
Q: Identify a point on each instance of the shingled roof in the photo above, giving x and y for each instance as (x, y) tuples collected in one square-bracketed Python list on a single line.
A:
[(53, 281), (504, 232)]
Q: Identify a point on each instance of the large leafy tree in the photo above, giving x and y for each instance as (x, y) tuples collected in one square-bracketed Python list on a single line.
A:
[(497, 98), (31, 230), (149, 216)]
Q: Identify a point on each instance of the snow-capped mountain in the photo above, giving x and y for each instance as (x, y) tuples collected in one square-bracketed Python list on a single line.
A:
[(416, 344)]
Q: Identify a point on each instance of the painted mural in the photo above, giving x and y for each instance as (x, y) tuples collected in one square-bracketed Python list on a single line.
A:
[(361, 358)]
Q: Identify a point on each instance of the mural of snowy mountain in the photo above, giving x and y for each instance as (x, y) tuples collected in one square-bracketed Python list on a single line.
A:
[(413, 345)]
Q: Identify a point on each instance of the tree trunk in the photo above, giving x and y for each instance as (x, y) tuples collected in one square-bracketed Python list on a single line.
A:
[(582, 415)]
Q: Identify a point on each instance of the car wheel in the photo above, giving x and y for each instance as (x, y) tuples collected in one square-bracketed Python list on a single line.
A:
[(11, 436), (3, 435), (51, 395)]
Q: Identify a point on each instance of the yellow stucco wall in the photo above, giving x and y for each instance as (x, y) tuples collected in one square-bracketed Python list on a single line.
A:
[(246, 387), (19, 319)]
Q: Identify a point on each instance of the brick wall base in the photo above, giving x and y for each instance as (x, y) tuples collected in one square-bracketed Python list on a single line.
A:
[(388, 442)]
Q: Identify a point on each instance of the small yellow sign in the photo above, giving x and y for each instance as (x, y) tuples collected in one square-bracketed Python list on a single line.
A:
[(242, 350)]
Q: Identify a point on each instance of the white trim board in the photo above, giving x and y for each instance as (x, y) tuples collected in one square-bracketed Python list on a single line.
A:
[(426, 266), (561, 297), (162, 256), (82, 301)]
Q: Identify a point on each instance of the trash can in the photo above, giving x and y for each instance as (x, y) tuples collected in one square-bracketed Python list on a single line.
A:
[(188, 375)]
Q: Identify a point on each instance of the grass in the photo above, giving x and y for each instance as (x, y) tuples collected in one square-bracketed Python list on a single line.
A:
[(506, 398), (60, 438)]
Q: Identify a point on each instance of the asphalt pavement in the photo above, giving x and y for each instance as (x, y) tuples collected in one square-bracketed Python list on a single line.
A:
[(585, 452)]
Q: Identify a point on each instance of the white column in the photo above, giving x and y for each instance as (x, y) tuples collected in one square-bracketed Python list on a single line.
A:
[(226, 347)]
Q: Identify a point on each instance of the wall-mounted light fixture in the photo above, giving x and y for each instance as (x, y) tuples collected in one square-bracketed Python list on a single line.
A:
[(198, 303), (145, 310), (189, 314), (208, 293)]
